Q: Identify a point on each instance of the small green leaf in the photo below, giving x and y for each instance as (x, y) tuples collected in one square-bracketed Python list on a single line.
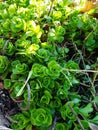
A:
[(95, 119), (40, 117), (80, 24), (3, 63), (7, 83), (61, 126), (86, 110), (29, 127), (71, 65), (96, 100)]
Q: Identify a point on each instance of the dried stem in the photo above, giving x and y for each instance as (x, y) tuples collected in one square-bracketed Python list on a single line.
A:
[(77, 118), (94, 77), (52, 127), (85, 71), (4, 47), (51, 7), (29, 97), (81, 71), (90, 33), (10, 119), (81, 57), (84, 84), (2, 36)]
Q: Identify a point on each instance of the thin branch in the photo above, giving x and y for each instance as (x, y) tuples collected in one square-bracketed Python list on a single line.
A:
[(77, 118), (67, 78), (95, 106), (21, 90), (94, 77), (17, 101), (90, 33), (51, 7), (2, 36), (81, 56), (29, 97), (84, 71), (52, 127), (4, 47), (84, 84), (81, 71), (10, 119)]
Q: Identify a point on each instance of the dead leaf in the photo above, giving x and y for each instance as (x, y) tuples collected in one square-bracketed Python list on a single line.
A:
[(93, 126), (4, 128), (1, 85)]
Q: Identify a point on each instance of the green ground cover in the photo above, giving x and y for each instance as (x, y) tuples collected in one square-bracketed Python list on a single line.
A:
[(49, 61)]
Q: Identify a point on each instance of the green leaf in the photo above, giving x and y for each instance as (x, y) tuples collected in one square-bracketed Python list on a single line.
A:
[(2, 43), (95, 119), (43, 54), (46, 81), (61, 126), (71, 65), (45, 99), (56, 103), (62, 93), (40, 117), (17, 24), (10, 49), (66, 112), (96, 100), (33, 84), (29, 127), (80, 24), (86, 110), (20, 69), (23, 121), (12, 9), (38, 70), (22, 88), (54, 69), (7, 83), (93, 126), (57, 15), (16, 88), (85, 124), (32, 49), (4, 62)]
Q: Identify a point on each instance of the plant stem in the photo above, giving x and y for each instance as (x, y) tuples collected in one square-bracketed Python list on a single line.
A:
[(80, 71), (67, 78), (52, 127), (90, 33), (28, 101), (21, 90), (77, 118), (51, 7), (10, 119)]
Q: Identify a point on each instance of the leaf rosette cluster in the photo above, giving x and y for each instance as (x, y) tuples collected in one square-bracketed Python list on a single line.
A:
[(4, 62), (40, 117), (44, 45)]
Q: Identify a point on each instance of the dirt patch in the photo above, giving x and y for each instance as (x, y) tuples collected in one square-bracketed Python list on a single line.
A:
[(8, 107)]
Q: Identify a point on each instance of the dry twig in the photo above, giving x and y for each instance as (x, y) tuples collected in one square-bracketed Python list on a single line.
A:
[(77, 118), (29, 97), (51, 7)]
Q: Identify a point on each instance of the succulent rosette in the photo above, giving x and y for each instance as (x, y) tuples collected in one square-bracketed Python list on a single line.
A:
[(40, 117), (54, 69), (4, 62)]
